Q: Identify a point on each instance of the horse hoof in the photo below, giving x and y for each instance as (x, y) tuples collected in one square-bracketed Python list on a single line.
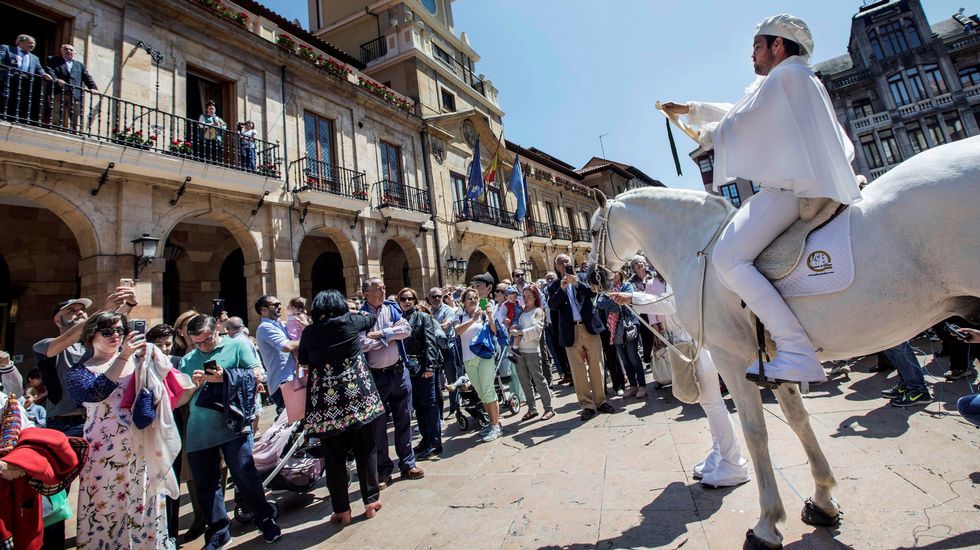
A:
[(753, 542), (812, 515)]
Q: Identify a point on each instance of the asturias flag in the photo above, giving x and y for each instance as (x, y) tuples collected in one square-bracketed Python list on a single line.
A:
[(475, 177), (517, 188)]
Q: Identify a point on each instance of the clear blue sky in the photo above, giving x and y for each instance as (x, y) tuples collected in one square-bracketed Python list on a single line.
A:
[(570, 70)]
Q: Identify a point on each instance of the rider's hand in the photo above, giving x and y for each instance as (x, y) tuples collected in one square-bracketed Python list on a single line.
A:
[(973, 335), (672, 108)]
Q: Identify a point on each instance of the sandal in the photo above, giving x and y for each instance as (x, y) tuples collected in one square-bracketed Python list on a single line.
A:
[(548, 415), (529, 415)]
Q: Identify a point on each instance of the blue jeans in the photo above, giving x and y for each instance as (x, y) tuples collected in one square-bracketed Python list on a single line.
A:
[(629, 356), (427, 411), (452, 369), (909, 372), (395, 390), (969, 407), (206, 469)]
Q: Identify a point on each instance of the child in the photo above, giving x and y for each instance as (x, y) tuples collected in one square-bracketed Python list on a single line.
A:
[(296, 319), (35, 413), (514, 312)]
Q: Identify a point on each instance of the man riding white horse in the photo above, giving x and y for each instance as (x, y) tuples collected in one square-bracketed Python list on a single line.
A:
[(784, 136)]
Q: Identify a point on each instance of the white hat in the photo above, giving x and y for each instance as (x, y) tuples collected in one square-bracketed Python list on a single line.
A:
[(788, 27)]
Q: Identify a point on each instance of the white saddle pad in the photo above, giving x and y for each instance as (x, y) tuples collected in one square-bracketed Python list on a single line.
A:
[(827, 264)]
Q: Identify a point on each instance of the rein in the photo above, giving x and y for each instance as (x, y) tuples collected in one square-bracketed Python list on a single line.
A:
[(603, 234)]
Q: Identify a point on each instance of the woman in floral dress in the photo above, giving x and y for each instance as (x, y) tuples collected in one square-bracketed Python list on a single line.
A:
[(341, 400), (114, 510)]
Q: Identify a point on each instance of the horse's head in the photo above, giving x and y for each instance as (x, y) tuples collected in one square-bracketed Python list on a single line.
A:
[(603, 259)]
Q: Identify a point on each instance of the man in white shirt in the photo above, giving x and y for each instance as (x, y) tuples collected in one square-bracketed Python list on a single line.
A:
[(783, 134)]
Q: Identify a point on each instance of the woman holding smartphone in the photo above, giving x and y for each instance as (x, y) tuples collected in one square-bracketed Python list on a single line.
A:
[(121, 492), (476, 313)]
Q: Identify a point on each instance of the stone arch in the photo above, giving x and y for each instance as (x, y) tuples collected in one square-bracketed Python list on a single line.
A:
[(311, 248), (481, 259), (251, 247), (77, 221), (541, 265), (407, 263)]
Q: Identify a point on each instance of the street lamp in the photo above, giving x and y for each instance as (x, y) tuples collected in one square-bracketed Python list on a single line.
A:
[(527, 266), (144, 250)]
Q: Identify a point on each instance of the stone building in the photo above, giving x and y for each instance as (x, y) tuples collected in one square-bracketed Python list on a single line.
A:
[(905, 85), (80, 183)]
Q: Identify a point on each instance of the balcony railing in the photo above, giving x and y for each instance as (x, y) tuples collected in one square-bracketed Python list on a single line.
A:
[(872, 121), (406, 197), (582, 235), (373, 50), (459, 69), (313, 175), (562, 233), (33, 100), (474, 211), (538, 229)]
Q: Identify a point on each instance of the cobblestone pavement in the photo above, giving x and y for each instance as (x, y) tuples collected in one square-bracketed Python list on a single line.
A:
[(906, 478)]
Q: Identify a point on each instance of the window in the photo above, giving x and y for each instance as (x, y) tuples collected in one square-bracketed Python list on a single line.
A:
[(935, 132), (970, 76), (730, 192), (899, 93), (550, 210), (571, 219), (913, 34), (448, 100), (391, 163), (705, 164), (862, 108), (458, 184), (915, 82), (889, 147), (954, 127), (871, 152), (442, 55), (875, 45), (893, 38), (319, 138), (935, 78), (493, 196), (917, 139), (755, 187)]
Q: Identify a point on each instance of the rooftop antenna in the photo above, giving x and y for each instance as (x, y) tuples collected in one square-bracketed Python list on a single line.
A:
[(601, 146)]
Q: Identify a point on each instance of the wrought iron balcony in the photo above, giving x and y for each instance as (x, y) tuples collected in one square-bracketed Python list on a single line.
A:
[(538, 229), (406, 197), (33, 100), (374, 49), (562, 233), (474, 211), (582, 235), (312, 175)]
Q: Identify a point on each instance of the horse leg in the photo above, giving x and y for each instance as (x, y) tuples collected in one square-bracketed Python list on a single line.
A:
[(827, 513), (752, 417)]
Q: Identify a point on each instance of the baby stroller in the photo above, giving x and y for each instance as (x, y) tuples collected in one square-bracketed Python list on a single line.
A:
[(501, 384), (471, 406), (285, 460)]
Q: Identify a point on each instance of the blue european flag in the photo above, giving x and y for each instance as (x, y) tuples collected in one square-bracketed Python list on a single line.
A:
[(475, 189), (517, 188)]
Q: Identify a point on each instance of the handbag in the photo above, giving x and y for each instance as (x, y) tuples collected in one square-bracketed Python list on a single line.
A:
[(294, 396), (55, 508), (144, 411), (482, 344)]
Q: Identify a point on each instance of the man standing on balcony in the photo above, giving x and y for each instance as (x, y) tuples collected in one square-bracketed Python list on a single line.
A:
[(68, 102), (212, 128), (19, 87)]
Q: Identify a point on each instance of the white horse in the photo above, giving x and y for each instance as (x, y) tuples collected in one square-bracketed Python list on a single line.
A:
[(916, 245)]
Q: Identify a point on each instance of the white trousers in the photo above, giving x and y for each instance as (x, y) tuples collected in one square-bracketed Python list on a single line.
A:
[(723, 440)]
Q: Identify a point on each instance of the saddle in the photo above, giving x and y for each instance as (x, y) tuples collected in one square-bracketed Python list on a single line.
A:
[(784, 253)]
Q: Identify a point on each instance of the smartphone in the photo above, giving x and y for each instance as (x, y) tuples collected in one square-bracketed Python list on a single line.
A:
[(210, 366), (138, 325), (956, 331), (569, 270), (217, 306), (483, 303), (128, 283)]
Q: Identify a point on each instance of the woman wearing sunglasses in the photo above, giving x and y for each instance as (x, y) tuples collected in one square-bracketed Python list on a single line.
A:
[(423, 356), (121, 489)]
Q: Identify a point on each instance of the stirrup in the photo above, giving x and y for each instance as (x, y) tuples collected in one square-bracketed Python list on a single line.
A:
[(766, 382)]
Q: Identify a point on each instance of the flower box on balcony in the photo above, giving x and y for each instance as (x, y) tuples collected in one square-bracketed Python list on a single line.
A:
[(333, 67), (268, 170), (180, 148), (359, 194), (133, 138), (219, 8), (385, 93), (286, 42)]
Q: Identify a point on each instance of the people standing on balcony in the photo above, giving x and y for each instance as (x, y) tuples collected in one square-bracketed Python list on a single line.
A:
[(213, 126), (20, 89), (423, 364), (68, 102), (247, 133), (386, 357), (578, 332)]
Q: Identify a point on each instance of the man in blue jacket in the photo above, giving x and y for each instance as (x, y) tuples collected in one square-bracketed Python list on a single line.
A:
[(572, 299), (20, 89)]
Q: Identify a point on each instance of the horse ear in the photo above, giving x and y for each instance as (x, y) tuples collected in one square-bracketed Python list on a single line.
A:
[(600, 198)]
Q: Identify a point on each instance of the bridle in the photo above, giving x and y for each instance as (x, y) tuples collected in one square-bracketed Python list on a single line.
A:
[(602, 238)]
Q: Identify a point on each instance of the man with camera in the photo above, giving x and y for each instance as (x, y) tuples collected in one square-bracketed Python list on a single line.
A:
[(572, 299), (220, 425)]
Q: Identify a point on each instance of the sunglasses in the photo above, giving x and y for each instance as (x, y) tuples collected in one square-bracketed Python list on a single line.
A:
[(436, 297), (406, 299), (204, 342), (112, 331), (274, 304)]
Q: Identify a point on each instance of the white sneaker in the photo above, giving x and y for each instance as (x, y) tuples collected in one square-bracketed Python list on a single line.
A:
[(494, 433), (727, 474), (709, 463)]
